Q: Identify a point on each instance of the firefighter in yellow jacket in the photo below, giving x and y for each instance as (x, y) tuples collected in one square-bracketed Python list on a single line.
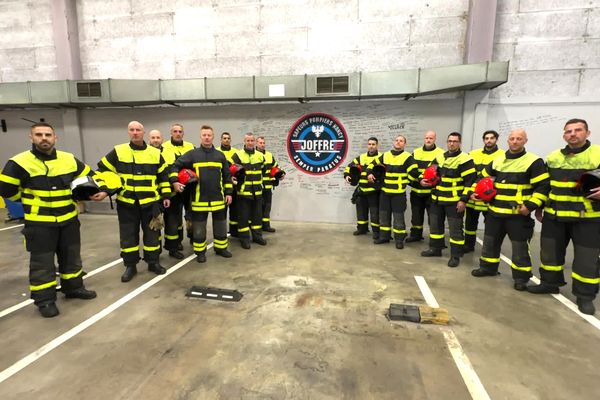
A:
[(456, 171), (229, 151), (249, 195), (400, 167), (367, 199), (41, 178), (420, 196), (521, 182), (145, 183), (176, 146), (481, 157), (268, 183), (571, 215)]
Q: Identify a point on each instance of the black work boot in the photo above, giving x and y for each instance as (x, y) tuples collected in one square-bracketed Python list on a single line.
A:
[(542, 288), (259, 240), (157, 268), (48, 310), (479, 272), (176, 254), (224, 253), (130, 271), (520, 285), (268, 228), (375, 235), (81, 293), (412, 239), (454, 261), (586, 306), (201, 258), (399, 244), (359, 232), (245, 242), (179, 246), (431, 253), (381, 240)]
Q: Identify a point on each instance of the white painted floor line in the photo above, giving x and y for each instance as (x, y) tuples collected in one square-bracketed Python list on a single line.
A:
[(11, 227), (470, 377), (25, 303), (48, 347), (595, 322)]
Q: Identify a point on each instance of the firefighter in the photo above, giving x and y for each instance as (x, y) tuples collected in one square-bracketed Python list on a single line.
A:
[(367, 199), (449, 198), (211, 194), (400, 167), (144, 173), (268, 183), (41, 178), (229, 151), (521, 182), (420, 196), (173, 149), (249, 195), (481, 157), (571, 215)]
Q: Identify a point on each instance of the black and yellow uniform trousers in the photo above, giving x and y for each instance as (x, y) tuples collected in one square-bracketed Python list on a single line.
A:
[(419, 204), (249, 211), (233, 215), (267, 200), (42, 242), (438, 213), (471, 224), (219, 226), (585, 272), (392, 207), (519, 229), (173, 215), (131, 218), (367, 203)]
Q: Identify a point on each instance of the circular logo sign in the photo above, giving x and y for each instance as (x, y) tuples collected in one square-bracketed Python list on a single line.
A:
[(317, 144)]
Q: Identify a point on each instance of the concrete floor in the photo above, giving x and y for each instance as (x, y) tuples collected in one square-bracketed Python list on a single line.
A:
[(311, 325)]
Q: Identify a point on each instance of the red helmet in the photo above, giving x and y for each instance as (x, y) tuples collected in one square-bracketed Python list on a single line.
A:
[(276, 173), (588, 181), (187, 176), (485, 189), (431, 175), (355, 171)]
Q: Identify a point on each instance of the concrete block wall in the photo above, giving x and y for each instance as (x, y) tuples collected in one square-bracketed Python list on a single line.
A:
[(553, 46), (26, 41), (184, 39)]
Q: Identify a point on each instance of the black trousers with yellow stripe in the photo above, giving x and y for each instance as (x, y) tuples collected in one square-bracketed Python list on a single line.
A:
[(555, 238), (267, 200), (173, 223), (419, 204), (519, 229), (219, 222), (249, 216), (471, 224), (131, 218), (392, 205), (233, 215), (438, 213), (43, 242), (367, 203)]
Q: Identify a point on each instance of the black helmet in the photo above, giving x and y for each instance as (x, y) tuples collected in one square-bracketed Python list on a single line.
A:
[(355, 171), (588, 181), (379, 174), (83, 187)]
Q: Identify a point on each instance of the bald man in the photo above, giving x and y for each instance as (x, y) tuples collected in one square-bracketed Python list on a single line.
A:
[(420, 196), (521, 182), (145, 178)]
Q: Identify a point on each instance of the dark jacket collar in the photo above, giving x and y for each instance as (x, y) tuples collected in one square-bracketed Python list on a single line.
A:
[(249, 151), (447, 154), (494, 149), (176, 143), (43, 156), (512, 156), (136, 147), (567, 150), (431, 149), (396, 152)]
